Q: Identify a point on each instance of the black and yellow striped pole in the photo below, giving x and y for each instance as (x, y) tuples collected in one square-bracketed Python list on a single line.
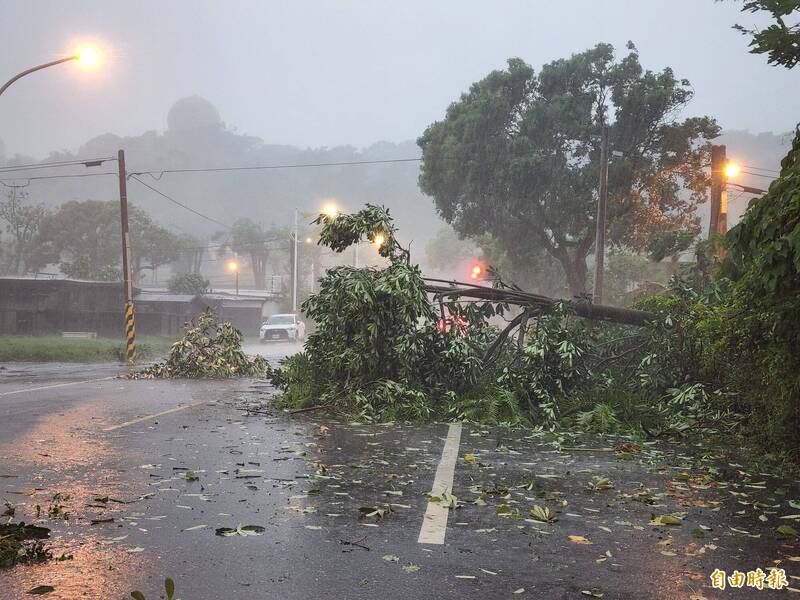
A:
[(130, 328), (130, 334)]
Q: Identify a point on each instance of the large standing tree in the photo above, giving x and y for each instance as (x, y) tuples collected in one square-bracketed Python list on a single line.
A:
[(518, 157), (22, 224), (248, 238), (155, 245), (84, 237)]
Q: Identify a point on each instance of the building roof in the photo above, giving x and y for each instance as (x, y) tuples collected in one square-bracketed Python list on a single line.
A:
[(162, 297)]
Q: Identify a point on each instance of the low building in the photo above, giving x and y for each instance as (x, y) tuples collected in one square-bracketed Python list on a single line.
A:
[(30, 306)]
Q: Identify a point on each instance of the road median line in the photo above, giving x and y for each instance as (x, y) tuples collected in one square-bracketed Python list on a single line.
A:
[(153, 416), (434, 521)]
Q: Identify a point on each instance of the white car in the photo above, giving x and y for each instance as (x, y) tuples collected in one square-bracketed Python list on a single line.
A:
[(286, 327)]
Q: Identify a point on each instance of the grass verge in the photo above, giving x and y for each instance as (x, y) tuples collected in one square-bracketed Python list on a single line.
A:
[(58, 349)]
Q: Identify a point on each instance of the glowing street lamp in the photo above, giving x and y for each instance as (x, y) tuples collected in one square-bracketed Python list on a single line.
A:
[(88, 57), (331, 210), (731, 170), (379, 239), (233, 267)]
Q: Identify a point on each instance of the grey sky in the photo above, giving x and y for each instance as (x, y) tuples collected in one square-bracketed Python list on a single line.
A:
[(348, 72)]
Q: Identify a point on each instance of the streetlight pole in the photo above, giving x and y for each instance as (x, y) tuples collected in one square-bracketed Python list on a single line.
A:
[(86, 56), (233, 267), (294, 265)]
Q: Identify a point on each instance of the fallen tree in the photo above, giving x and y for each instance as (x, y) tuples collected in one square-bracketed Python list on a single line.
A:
[(390, 344), (535, 303)]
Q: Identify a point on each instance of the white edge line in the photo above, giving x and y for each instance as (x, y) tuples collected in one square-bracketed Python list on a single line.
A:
[(57, 385), (434, 521), (153, 416)]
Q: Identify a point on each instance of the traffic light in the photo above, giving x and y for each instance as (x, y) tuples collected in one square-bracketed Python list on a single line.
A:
[(476, 271)]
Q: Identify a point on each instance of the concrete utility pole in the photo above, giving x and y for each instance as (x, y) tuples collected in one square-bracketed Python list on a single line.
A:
[(718, 224), (127, 280), (600, 233)]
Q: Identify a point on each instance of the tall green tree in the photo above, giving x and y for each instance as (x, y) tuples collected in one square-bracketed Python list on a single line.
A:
[(84, 237), (154, 245), (86, 232), (22, 224), (251, 239), (191, 252), (517, 157)]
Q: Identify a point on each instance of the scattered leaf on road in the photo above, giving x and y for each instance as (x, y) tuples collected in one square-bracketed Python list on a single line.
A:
[(578, 539)]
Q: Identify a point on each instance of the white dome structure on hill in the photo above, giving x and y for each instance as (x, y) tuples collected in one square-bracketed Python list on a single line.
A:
[(192, 112)]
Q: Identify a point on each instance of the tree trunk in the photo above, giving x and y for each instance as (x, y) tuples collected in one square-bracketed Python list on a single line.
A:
[(259, 267), (575, 270)]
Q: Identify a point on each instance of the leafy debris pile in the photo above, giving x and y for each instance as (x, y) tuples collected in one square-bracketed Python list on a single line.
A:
[(210, 348), (20, 543)]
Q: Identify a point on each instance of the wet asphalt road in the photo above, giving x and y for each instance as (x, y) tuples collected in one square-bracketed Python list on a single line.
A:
[(309, 480)]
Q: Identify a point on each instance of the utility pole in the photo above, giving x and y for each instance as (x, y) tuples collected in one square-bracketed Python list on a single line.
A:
[(600, 233), (294, 265), (718, 223), (127, 281)]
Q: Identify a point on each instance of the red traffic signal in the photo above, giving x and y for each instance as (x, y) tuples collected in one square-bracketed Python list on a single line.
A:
[(476, 271)]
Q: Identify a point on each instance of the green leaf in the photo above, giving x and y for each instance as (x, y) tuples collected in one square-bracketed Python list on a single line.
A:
[(666, 520), (787, 530), (543, 514), (243, 530), (169, 588), (40, 590)]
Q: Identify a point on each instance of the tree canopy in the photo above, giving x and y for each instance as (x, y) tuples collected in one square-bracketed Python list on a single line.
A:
[(248, 238), (780, 41), (517, 157), (84, 237)]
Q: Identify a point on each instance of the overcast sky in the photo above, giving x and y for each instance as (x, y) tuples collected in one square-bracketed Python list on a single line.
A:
[(348, 72)]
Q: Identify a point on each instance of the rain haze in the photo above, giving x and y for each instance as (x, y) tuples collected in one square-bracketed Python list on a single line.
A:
[(314, 74), (397, 299)]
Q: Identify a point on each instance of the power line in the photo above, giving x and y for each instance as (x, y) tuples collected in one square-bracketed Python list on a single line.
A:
[(41, 177), (269, 167), (159, 173), (190, 209), (761, 169), (759, 175), (61, 163)]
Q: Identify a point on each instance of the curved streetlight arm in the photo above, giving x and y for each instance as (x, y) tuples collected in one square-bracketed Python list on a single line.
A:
[(37, 68)]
